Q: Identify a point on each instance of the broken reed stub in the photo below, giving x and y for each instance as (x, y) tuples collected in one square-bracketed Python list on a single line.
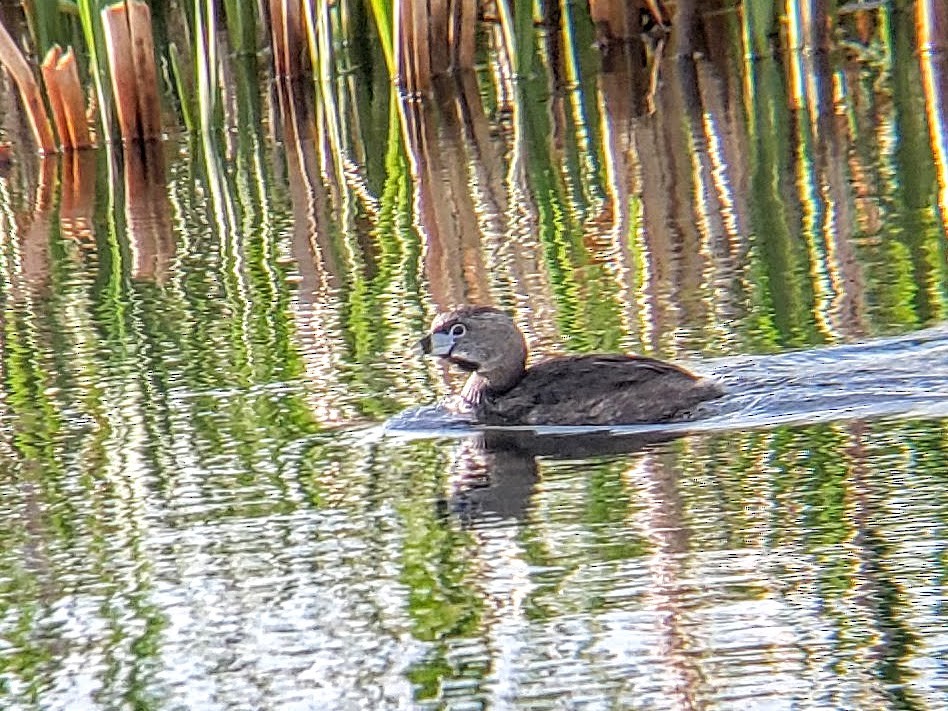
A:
[(131, 51), (74, 100), (66, 99), (48, 70)]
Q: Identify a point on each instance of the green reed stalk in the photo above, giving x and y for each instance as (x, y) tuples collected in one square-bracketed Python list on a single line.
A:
[(812, 229), (185, 98), (312, 41), (914, 165), (98, 63), (241, 19), (205, 64), (324, 22), (383, 12), (545, 184), (395, 205), (525, 36), (45, 22), (760, 20), (371, 335), (247, 95)]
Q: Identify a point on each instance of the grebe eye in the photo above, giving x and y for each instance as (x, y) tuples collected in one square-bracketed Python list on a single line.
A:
[(458, 330)]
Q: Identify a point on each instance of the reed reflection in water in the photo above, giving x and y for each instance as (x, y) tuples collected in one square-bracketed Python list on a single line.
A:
[(201, 510)]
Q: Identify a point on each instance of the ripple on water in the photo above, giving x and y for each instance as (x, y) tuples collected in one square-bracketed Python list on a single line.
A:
[(789, 567)]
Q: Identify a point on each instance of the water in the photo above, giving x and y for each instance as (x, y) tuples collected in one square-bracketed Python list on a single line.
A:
[(226, 484)]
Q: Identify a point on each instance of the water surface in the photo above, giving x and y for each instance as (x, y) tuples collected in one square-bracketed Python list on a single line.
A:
[(206, 503)]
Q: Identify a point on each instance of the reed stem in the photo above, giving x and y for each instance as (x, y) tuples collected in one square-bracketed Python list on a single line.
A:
[(98, 63), (16, 64)]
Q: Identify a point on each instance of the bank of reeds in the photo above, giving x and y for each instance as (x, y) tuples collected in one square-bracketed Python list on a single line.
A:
[(145, 67)]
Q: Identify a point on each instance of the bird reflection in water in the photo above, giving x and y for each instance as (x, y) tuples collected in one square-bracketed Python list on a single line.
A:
[(494, 474)]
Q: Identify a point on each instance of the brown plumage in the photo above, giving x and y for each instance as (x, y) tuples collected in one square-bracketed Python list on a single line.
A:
[(601, 389)]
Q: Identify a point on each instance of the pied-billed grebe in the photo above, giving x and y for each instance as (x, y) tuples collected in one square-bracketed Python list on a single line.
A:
[(563, 390)]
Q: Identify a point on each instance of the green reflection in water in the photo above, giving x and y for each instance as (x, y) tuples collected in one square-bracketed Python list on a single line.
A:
[(781, 318)]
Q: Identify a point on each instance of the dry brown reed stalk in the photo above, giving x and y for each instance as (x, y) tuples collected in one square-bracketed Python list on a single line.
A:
[(131, 51), (623, 93), (288, 35), (864, 19), (277, 26), (64, 91), (932, 21), (845, 208), (621, 20), (33, 235), (16, 64), (817, 22), (438, 54), (616, 20), (433, 39), (146, 72), (6, 157), (309, 195), (412, 58), (119, 49), (419, 47), (725, 145), (317, 301), (70, 89), (463, 34), (673, 223), (504, 206), (48, 70)]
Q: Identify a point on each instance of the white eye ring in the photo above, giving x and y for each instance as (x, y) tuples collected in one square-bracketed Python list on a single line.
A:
[(458, 330)]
